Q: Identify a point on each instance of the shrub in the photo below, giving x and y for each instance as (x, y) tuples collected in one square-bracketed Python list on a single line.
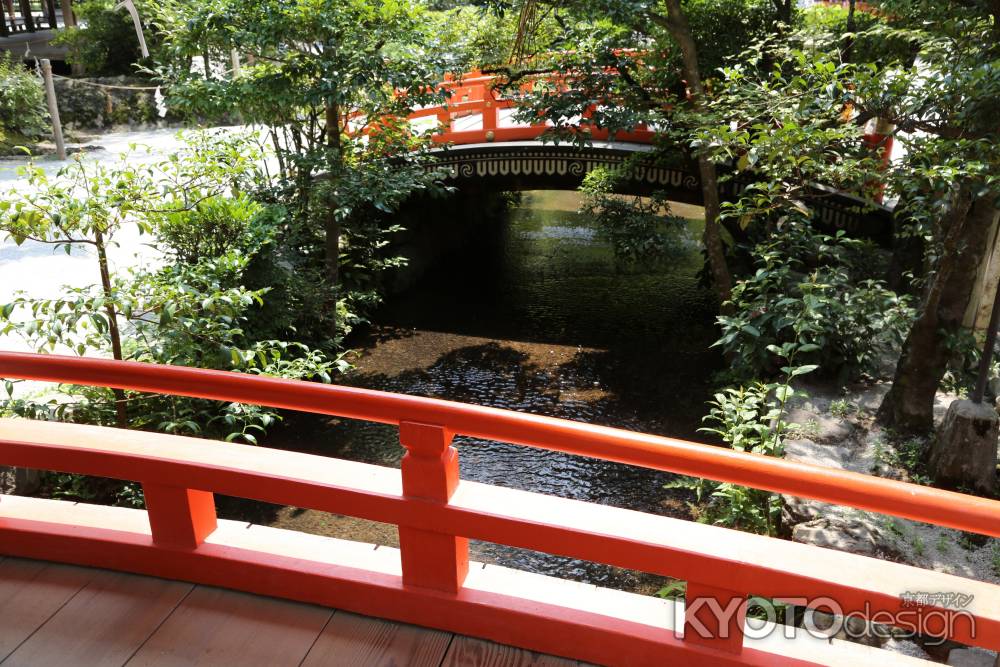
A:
[(748, 419), (213, 227), (811, 289), (192, 310), (105, 43), (22, 101)]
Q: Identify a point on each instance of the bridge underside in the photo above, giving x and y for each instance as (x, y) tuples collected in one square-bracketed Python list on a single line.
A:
[(533, 165)]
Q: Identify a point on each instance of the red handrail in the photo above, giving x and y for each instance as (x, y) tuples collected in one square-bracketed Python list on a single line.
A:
[(842, 487), (475, 92), (431, 582)]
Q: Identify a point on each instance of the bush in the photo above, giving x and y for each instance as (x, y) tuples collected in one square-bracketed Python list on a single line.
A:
[(215, 227), (748, 419), (22, 102), (743, 22), (826, 25), (105, 44), (965, 352), (813, 291)]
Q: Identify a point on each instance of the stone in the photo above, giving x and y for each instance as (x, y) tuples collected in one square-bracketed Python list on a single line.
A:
[(848, 535), (19, 481), (795, 510), (870, 399), (972, 657), (964, 455), (852, 628), (809, 451), (104, 103), (820, 427), (942, 403), (906, 647)]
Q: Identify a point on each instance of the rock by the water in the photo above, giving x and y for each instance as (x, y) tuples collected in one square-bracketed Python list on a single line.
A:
[(851, 628), (964, 455), (809, 451), (821, 427), (842, 534), (19, 481)]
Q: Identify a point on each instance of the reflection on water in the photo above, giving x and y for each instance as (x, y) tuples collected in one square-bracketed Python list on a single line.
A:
[(535, 315)]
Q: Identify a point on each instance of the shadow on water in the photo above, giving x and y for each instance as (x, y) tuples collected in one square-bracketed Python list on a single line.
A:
[(535, 315)]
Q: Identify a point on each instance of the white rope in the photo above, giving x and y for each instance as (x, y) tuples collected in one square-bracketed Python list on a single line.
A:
[(104, 85)]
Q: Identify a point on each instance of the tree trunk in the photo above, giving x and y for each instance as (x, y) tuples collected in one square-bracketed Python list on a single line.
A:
[(679, 29), (121, 406), (909, 405), (851, 29), (784, 9), (331, 223)]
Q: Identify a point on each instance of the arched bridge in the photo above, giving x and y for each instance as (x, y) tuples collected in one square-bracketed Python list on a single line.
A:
[(483, 145)]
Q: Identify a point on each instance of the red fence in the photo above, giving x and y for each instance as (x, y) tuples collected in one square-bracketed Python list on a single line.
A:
[(475, 95), (430, 582)]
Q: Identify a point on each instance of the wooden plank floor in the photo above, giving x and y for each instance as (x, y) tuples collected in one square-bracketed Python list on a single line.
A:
[(52, 614)]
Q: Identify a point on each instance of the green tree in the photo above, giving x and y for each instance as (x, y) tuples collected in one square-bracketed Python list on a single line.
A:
[(104, 43), (943, 106), (794, 113), (82, 207), (333, 81), (22, 102), (188, 307)]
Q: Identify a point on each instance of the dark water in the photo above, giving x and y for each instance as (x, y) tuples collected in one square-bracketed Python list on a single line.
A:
[(536, 315)]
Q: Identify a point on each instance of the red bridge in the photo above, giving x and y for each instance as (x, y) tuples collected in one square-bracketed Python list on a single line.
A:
[(484, 145), (429, 581)]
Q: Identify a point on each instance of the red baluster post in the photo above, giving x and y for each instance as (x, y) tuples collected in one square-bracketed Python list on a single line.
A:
[(489, 113), (178, 517), (430, 472), (714, 617), (444, 120)]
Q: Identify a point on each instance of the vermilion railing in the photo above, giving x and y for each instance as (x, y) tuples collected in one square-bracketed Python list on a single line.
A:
[(431, 583), (476, 94)]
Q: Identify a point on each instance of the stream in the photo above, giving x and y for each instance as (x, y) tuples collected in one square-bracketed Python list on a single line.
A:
[(536, 315)]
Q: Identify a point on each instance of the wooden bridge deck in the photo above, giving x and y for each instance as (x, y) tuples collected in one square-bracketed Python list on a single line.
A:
[(53, 614)]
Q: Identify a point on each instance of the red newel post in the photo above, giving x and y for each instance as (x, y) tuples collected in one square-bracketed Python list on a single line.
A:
[(430, 472), (490, 113), (714, 617), (179, 517), (444, 121)]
